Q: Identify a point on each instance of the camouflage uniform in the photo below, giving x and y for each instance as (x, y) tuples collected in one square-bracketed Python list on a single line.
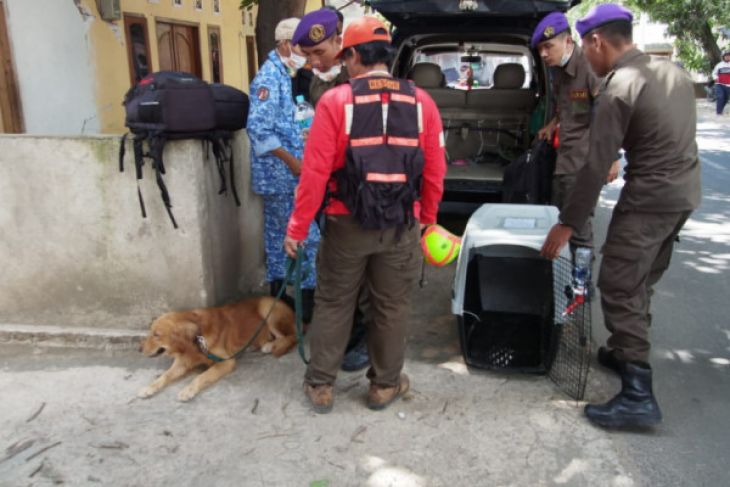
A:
[(271, 125)]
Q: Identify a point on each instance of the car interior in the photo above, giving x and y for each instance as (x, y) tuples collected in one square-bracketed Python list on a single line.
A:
[(488, 93)]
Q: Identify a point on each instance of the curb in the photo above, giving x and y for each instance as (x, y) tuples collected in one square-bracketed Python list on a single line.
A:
[(72, 337)]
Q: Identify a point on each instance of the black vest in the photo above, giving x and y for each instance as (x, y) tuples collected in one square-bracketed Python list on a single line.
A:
[(381, 179)]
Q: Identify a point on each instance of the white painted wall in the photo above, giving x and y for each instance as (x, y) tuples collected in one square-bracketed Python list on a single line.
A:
[(350, 12), (648, 32), (53, 64)]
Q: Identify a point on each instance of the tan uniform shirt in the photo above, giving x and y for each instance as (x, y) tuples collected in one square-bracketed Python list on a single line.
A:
[(317, 86), (575, 87), (647, 107)]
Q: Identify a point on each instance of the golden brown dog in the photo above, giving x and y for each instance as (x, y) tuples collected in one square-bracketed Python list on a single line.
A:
[(225, 330)]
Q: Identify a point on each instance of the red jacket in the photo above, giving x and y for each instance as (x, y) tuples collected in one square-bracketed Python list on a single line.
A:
[(324, 153)]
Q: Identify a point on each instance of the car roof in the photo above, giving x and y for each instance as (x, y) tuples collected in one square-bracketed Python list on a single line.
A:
[(417, 15)]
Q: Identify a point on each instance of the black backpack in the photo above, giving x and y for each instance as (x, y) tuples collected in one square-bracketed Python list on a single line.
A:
[(170, 105), (383, 171), (528, 179)]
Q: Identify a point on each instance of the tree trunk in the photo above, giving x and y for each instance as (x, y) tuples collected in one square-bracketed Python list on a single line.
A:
[(709, 44), (270, 13)]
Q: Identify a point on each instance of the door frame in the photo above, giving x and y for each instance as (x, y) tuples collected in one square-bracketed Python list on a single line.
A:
[(10, 106)]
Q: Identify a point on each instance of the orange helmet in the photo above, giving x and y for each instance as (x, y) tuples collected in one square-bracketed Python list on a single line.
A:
[(440, 247)]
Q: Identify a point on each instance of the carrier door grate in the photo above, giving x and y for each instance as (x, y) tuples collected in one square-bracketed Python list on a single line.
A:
[(572, 335)]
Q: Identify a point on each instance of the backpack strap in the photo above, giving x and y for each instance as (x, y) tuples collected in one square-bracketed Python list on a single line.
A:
[(157, 144), (229, 147), (138, 163), (223, 152), (122, 149), (220, 160)]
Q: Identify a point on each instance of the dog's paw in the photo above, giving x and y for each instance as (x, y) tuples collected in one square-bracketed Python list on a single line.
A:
[(148, 391), (267, 347), (186, 394)]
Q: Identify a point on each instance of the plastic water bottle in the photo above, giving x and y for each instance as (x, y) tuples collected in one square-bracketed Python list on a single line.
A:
[(304, 113), (582, 270)]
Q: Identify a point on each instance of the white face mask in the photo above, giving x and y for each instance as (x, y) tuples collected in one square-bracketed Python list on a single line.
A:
[(566, 57), (293, 63), (296, 61), (328, 75)]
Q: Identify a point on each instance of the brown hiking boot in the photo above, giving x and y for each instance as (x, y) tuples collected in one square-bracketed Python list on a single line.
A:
[(380, 397), (320, 396)]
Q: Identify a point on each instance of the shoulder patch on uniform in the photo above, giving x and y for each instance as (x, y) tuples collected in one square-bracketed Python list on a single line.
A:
[(262, 94)]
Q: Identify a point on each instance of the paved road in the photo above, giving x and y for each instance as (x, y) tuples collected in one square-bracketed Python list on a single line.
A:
[(66, 416), (691, 336)]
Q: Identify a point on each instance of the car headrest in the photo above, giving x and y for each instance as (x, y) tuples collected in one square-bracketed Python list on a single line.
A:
[(509, 76), (427, 75)]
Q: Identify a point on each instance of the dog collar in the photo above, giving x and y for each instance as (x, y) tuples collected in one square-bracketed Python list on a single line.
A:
[(202, 344)]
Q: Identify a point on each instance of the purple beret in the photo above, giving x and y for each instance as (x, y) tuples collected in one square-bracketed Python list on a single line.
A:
[(553, 24), (315, 27), (602, 14)]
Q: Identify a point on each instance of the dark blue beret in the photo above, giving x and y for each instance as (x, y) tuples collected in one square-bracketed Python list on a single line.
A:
[(602, 14), (553, 24), (315, 27)]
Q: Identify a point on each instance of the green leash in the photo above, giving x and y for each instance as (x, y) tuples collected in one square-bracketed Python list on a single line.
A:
[(296, 265), (293, 276)]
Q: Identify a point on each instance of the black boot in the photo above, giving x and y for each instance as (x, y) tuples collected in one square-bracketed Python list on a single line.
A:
[(356, 358), (634, 406), (607, 358), (307, 305), (275, 287)]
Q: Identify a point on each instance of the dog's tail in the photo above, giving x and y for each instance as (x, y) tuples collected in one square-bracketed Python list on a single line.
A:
[(281, 319), (281, 324)]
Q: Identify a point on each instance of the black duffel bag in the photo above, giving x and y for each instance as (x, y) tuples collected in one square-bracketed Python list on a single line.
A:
[(528, 179), (230, 107), (174, 105), (170, 102)]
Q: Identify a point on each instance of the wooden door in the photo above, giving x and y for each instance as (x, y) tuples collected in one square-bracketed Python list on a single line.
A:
[(179, 48), (11, 119)]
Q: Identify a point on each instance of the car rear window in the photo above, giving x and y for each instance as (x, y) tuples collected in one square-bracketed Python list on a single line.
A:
[(459, 66)]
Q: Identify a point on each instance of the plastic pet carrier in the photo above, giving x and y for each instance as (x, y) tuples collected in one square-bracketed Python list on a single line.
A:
[(516, 311)]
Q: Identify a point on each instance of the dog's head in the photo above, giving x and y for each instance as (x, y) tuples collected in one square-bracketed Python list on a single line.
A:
[(170, 334)]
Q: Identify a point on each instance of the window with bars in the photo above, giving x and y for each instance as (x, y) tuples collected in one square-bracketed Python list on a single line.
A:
[(138, 51), (214, 46)]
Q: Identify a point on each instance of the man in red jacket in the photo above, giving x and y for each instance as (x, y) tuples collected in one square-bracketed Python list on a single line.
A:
[(388, 133)]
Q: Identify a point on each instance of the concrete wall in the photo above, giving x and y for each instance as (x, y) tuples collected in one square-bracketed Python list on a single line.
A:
[(76, 251)]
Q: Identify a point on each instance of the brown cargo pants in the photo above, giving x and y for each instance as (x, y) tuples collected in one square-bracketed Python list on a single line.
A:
[(637, 251), (348, 258)]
